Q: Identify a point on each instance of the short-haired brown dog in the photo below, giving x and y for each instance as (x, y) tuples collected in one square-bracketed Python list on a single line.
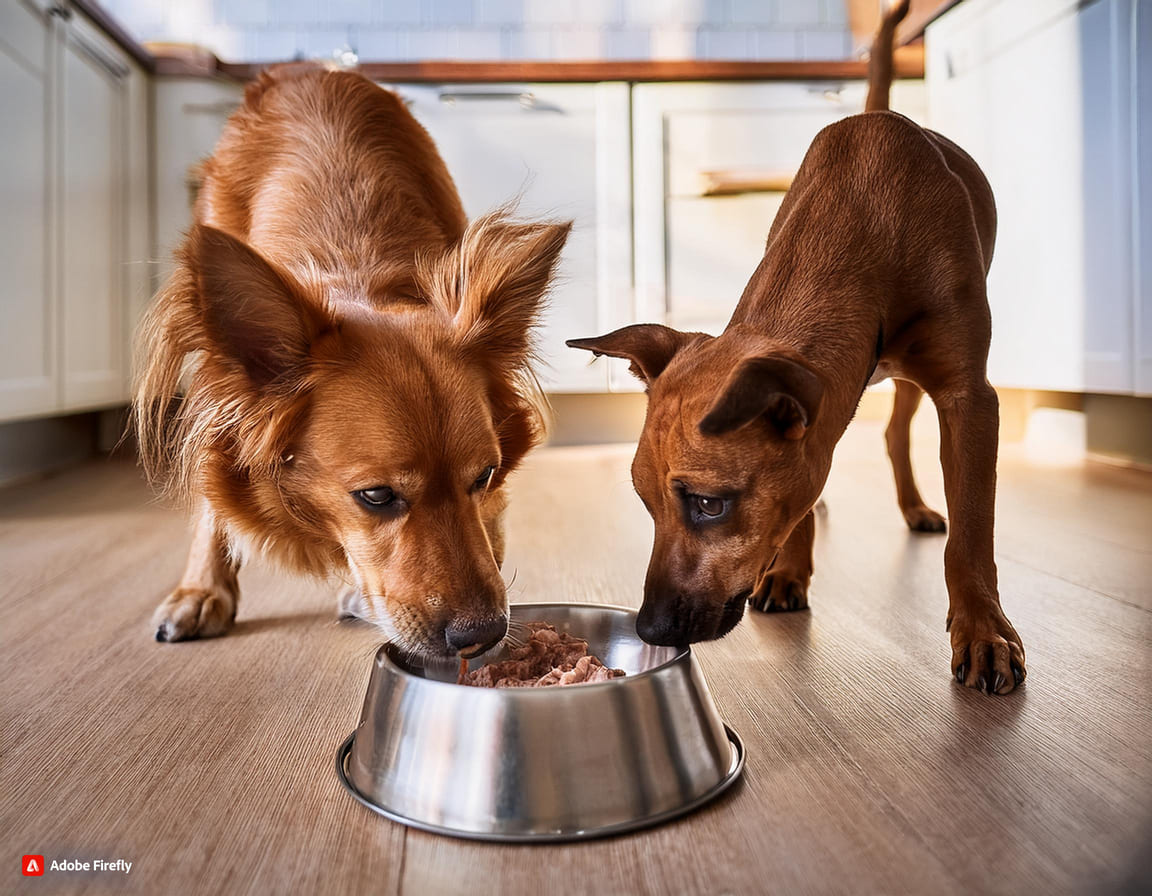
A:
[(356, 357), (875, 266)]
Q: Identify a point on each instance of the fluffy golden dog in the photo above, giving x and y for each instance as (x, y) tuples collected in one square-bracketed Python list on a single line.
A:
[(338, 373)]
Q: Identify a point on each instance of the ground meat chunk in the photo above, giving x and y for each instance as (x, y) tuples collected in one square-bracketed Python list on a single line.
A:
[(547, 658)]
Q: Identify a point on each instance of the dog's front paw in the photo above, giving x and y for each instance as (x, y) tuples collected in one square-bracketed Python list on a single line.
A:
[(924, 519), (987, 654), (195, 613), (780, 591)]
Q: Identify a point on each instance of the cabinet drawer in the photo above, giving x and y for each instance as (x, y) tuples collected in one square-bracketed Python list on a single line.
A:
[(770, 140), (694, 249)]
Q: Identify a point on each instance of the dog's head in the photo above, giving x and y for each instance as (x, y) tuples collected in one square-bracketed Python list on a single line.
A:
[(724, 466), (375, 441)]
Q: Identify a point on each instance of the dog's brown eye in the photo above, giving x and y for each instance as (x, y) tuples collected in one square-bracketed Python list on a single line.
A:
[(705, 509), (709, 506), (375, 498), (484, 479)]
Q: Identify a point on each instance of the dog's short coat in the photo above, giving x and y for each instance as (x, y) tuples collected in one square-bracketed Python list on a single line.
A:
[(338, 372), (875, 266)]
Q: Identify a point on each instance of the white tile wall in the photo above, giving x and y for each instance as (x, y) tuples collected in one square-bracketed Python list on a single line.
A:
[(734, 43), (778, 45), (673, 42), (628, 43), (757, 12), (387, 30), (825, 44)]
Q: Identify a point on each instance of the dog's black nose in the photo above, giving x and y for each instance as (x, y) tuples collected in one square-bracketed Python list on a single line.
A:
[(657, 624), (472, 637)]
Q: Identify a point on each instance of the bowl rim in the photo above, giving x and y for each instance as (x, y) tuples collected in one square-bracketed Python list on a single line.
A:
[(682, 653)]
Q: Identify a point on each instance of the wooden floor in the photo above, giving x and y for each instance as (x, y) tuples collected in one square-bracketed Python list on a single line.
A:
[(209, 765)]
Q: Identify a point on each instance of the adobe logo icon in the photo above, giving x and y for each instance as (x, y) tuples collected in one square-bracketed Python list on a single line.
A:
[(32, 866)]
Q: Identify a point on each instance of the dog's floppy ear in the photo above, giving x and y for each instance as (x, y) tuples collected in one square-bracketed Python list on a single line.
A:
[(783, 391), (648, 346), (251, 311), (496, 280)]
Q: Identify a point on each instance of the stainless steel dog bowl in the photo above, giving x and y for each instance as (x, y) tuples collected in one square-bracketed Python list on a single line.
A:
[(542, 764)]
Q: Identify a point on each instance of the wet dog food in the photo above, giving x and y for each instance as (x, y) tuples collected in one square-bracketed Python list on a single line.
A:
[(547, 658)]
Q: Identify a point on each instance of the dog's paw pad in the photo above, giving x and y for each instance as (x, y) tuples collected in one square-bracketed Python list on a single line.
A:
[(988, 657), (924, 519), (194, 613), (780, 593)]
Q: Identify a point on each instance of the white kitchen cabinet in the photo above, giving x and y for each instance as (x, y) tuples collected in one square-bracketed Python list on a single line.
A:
[(1041, 93), (28, 375), (190, 114), (76, 241), (93, 94), (695, 251), (564, 150), (1142, 197)]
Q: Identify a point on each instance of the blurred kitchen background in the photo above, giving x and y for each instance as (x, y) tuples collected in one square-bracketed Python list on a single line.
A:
[(669, 129), (382, 30)]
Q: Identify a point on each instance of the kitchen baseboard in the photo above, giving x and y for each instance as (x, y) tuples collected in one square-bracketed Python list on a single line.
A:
[(30, 449)]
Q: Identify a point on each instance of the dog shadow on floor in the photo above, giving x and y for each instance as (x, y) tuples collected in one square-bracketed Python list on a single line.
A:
[(262, 624)]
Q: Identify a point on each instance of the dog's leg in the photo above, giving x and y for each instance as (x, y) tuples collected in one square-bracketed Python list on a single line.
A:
[(204, 603), (920, 517), (986, 651), (785, 585)]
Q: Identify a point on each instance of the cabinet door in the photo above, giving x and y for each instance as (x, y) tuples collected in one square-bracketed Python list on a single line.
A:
[(28, 379), (139, 271), (563, 149), (92, 187), (190, 116), (1141, 21), (1037, 91)]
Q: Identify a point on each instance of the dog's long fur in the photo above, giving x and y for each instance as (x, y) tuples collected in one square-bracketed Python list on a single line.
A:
[(874, 266), (330, 247)]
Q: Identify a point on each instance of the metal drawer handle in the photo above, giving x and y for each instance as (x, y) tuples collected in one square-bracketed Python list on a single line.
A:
[(525, 98), (222, 108), (735, 181)]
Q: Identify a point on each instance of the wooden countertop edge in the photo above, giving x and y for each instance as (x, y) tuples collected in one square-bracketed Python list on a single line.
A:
[(101, 18), (445, 71), (912, 28)]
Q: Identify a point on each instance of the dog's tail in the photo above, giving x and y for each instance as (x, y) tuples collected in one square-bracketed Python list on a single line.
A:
[(880, 59)]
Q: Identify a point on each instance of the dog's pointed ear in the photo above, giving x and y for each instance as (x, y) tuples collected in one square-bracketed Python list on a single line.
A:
[(784, 392), (649, 347), (496, 280), (252, 312)]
